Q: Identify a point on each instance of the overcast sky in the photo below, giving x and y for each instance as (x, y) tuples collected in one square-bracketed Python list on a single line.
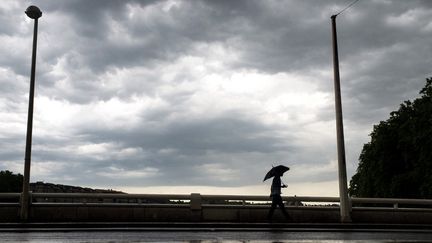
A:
[(203, 96)]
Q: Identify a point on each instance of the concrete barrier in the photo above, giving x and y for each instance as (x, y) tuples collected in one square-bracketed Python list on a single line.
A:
[(197, 208), (208, 214)]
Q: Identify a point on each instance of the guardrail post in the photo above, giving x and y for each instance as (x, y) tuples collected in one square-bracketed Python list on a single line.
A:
[(195, 201), (196, 206), (396, 205)]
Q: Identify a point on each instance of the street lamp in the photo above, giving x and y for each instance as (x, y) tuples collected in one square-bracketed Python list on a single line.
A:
[(32, 12), (345, 205)]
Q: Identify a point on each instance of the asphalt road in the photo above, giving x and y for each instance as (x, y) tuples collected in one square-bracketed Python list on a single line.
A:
[(208, 236), (101, 232)]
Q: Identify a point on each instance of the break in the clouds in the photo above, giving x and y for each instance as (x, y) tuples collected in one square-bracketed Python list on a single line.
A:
[(203, 94)]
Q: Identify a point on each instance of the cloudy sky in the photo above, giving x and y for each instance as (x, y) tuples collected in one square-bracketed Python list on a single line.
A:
[(203, 96)]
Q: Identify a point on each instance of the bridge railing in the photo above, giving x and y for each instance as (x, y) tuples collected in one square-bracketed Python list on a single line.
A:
[(198, 201), (9, 199)]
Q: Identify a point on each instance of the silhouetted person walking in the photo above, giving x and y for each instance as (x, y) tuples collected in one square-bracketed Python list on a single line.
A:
[(276, 197)]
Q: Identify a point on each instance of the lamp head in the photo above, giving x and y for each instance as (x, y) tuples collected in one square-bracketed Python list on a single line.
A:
[(33, 12)]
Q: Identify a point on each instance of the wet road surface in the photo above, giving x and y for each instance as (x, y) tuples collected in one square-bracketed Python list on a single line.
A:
[(218, 236)]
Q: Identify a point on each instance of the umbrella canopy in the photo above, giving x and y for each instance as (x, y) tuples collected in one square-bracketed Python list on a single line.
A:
[(278, 170)]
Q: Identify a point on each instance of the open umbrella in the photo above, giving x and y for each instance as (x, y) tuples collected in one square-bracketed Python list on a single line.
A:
[(277, 170)]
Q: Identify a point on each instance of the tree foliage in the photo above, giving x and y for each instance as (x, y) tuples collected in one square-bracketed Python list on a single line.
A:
[(10, 182), (397, 162)]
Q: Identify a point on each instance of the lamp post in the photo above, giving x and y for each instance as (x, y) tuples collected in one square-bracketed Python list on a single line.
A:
[(345, 205), (32, 12)]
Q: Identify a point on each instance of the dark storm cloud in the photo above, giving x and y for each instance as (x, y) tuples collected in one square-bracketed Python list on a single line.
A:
[(156, 39), (191, 137), (271, 37), (385, 56), (185, 143), (265, 42)]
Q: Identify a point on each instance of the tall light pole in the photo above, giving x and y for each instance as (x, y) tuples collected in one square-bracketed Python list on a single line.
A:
[(345, 205), (32, 12)]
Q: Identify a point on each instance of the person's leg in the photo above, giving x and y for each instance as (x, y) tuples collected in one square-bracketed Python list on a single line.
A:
[(273, 207), (282, 207)]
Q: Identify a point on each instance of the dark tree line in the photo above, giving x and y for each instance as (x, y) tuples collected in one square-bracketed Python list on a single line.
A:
[(10, 182), (397, 162)]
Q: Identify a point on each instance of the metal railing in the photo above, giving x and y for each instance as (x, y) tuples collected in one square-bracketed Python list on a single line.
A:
[(198, 201)]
